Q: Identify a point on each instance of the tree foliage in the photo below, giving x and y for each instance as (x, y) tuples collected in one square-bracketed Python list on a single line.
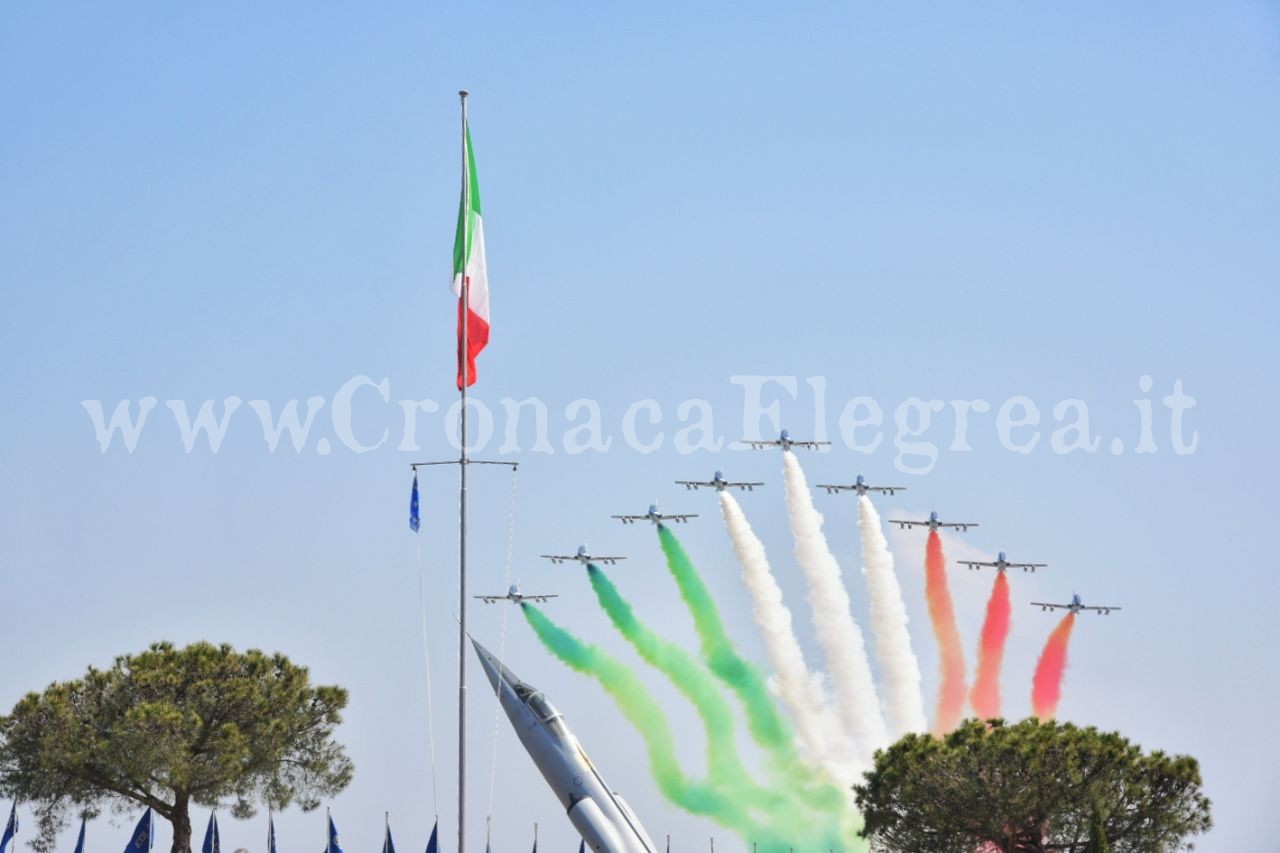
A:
[(1030, 786), (170, 727)]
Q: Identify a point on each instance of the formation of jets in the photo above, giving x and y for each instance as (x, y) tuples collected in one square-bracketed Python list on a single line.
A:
[(1002, 564), (785, 441), (859, 485), (582, 557), (516, 596), (1075, 606), (934, 523), (717, 482), (656, 517)]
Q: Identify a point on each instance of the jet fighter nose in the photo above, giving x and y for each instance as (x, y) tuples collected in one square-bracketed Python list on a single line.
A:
[(492, 669)]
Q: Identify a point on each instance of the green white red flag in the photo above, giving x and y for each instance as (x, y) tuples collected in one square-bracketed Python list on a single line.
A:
[(469, 266)]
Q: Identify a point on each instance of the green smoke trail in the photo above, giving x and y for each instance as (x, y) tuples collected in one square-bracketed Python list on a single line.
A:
[(766, 725), (725, 768), (800, 832), (646, 716)]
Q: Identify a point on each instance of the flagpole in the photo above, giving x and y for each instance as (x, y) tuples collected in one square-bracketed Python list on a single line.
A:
[(464, 363)]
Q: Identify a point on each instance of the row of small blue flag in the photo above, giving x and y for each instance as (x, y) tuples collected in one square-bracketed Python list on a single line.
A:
[(144, 836)]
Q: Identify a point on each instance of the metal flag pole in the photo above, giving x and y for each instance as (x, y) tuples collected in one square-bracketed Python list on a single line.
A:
[(464, 462), (464, 364)]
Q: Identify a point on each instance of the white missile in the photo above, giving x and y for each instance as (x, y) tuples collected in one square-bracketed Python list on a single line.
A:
[(603, 819)]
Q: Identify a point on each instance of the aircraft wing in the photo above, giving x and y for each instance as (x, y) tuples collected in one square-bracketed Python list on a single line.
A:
[(541, 599), (761, 445), (490, 599), (833, 488), (744, 486), (1046, 606), (812, 445), (904, 524), (1103, 609), (977, 564), (679, 517), (961, 526), (1028, 566), (886, 490), (559, 558), (697, 484), (608, 561), (630, 519)]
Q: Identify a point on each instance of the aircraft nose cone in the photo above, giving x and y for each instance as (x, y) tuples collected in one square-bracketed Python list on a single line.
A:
[(490, 665)]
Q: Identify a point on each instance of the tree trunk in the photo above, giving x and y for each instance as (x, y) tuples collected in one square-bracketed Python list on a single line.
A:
[(181, 821)]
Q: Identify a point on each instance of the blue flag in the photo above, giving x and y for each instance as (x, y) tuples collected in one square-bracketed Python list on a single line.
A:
[(212, 843), (431, 845), (335, 843), (582, 846), (144, 834), (413, 505), (271, 833), (80, 840), (388, 846), (10, 828)]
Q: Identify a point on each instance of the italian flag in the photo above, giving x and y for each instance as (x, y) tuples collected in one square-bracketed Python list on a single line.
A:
[(469, 266)]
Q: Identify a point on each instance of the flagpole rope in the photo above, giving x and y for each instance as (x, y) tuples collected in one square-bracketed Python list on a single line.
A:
[(502, 636), (426, 657)]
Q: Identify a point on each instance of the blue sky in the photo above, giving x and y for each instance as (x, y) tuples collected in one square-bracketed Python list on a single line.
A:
[(1002, 200)]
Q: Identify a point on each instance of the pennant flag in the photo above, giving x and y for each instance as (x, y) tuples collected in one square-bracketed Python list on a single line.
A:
[(413, 505), (388, 846), (582, 846), (212, 843), (271, 833), (80, 840), (10, 828), (469, 266), (144, 834), (431, 845), (335, 843)]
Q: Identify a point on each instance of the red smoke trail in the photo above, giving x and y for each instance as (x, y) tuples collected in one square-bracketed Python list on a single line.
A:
[(951, 688), (985, 697), (1046, 689)]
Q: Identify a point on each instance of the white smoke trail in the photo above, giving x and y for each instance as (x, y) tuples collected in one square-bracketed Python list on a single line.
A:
[(822, 739), (903, 699), (841, 639)]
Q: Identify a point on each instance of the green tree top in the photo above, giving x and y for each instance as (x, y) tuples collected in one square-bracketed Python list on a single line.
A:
[(170, 727), (1031, 786)]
